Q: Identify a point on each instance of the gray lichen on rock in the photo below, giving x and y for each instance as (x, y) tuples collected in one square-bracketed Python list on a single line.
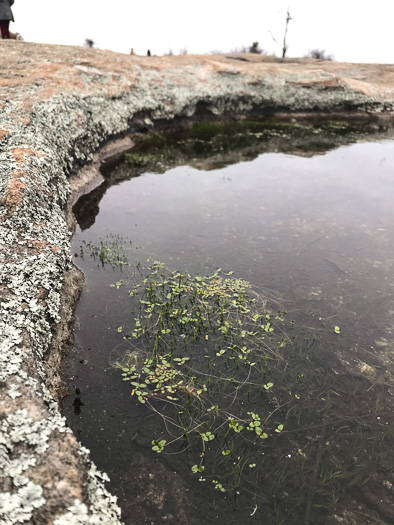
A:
[(35, 255)]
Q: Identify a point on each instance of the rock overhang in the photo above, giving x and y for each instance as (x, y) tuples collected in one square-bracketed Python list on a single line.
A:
[(59, 105)]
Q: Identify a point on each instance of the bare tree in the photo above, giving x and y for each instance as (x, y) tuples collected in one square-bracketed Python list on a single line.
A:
[(285, 46)]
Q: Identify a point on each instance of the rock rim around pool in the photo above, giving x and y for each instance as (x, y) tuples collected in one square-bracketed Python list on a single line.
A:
[(63, 112)]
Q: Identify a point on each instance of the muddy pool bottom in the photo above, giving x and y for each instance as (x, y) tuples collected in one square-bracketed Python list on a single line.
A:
[(234, 356)]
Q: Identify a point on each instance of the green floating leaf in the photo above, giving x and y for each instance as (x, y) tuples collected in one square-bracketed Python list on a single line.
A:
[(235, 426), (218, 485), (198, 468), (158, 446), (214, 407)]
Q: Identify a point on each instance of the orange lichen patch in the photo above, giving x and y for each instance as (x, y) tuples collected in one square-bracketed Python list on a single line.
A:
[(322, 83), (65, 464), (3, 133), (363, 87), (42, 294), (16, 191), (19, 154), (20, 118), (40, 246), (25, 120)]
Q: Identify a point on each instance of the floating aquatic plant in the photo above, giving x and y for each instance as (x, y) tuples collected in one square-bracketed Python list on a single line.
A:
[(205, 345), (250, 400)]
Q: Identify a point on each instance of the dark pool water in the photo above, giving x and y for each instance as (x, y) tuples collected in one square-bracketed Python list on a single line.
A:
[(315, 234)]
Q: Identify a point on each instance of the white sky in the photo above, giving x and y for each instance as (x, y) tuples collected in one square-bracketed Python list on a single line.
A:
[(351, 30)]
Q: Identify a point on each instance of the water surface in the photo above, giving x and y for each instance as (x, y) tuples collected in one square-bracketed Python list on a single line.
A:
[(315, 234)]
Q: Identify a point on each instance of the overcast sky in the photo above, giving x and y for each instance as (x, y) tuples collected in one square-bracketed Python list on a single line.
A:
[(351, 30)]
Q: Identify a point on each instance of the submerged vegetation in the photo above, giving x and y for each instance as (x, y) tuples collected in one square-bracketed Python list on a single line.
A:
[(256, 406), (206, 344), (109, 251)]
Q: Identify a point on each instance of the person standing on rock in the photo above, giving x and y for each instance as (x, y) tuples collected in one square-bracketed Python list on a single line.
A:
[(5, 18)]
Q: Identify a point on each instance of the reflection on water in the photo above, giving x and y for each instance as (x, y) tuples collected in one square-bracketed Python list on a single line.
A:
[(316, 235)]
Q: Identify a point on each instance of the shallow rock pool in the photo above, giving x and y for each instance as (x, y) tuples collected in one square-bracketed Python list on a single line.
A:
[(309, 223)]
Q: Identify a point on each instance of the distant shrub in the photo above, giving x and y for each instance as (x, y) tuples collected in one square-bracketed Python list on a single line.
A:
[(319, 54), (254, 48), (89, 42)]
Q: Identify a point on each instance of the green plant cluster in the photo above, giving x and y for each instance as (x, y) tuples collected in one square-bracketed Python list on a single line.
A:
[(206, 343), (109, 251), (252, 402)]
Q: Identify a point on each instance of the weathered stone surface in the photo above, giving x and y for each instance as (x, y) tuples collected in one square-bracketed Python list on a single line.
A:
[(58, 105)]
